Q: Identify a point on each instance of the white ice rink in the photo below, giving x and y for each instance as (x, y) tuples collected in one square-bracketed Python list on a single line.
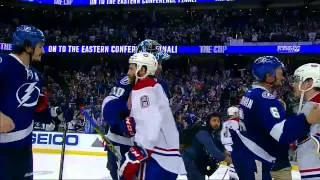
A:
[(46, 166)]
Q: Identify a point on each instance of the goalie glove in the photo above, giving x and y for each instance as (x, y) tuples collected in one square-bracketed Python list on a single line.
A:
[(130, 163)]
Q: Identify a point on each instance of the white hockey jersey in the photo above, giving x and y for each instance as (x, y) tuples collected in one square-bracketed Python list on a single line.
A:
[(155, 126), (226, 138), (307, 152)]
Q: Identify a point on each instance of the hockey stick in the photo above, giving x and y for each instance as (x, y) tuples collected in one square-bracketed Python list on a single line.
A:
[(109, 145), (63, 149)]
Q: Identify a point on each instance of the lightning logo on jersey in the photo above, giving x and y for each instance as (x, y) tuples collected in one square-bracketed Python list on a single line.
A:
[(28, 94)]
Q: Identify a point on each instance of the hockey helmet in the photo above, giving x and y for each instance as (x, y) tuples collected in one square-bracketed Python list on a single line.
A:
[(152, 46), (144, 59), (264, 65), (308, 71), (26, 34)]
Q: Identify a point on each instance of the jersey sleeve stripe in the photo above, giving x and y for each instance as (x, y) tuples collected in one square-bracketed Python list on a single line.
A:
[(277, 130)]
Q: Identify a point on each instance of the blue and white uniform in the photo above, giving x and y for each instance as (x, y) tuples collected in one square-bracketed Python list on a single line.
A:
[(23, 101), (114, 111), (255, 150)]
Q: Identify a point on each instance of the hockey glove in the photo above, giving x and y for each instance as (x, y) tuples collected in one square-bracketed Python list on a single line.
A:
[(130, 126), (130, 163)]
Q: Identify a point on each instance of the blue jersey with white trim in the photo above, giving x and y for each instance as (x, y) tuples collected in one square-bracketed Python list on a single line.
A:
[(115, 110), (266, 123), (19, 93)]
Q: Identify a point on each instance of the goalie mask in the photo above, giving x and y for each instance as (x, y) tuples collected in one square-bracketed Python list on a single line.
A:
[(153, 47), (144, 59), (304, 73)]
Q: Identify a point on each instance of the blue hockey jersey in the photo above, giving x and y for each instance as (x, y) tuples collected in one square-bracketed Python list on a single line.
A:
[(115, 110), (267, 125), (19, 93)]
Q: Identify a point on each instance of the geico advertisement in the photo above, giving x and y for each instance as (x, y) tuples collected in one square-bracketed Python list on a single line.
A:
[(44, 138)]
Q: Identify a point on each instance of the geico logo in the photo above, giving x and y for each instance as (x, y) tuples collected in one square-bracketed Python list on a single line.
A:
[(54, 139)]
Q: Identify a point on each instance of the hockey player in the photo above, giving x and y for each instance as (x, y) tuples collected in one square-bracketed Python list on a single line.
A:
[(121, 137), (255, 150), (306, 85), (155, 154), (22, 102), (234, 123), (114, 112)]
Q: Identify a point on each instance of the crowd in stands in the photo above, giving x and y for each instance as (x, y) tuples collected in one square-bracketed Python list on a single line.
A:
[(194, 92), (181, 27)]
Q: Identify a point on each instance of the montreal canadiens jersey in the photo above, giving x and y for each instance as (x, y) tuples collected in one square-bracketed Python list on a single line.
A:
[(307, 152), (19, 93), (266, 124), (155, 126), (225, 132)]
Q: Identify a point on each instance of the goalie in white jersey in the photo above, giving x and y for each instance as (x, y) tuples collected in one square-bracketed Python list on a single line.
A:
[(155, 154), (306, 84)]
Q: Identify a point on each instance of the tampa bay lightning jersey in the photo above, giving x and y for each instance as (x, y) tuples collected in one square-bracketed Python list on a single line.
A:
[(267, 125), (19, 93), (115, 110)]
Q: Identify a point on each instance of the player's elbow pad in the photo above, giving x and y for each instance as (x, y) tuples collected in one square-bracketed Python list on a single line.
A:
[(289, 130)]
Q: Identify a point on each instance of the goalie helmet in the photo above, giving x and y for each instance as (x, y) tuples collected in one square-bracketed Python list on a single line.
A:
[(152, 46), (308, 71), (144, 59)]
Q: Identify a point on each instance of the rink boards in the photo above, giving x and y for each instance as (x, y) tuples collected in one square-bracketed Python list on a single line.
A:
[(76, 143), (85, 158)]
